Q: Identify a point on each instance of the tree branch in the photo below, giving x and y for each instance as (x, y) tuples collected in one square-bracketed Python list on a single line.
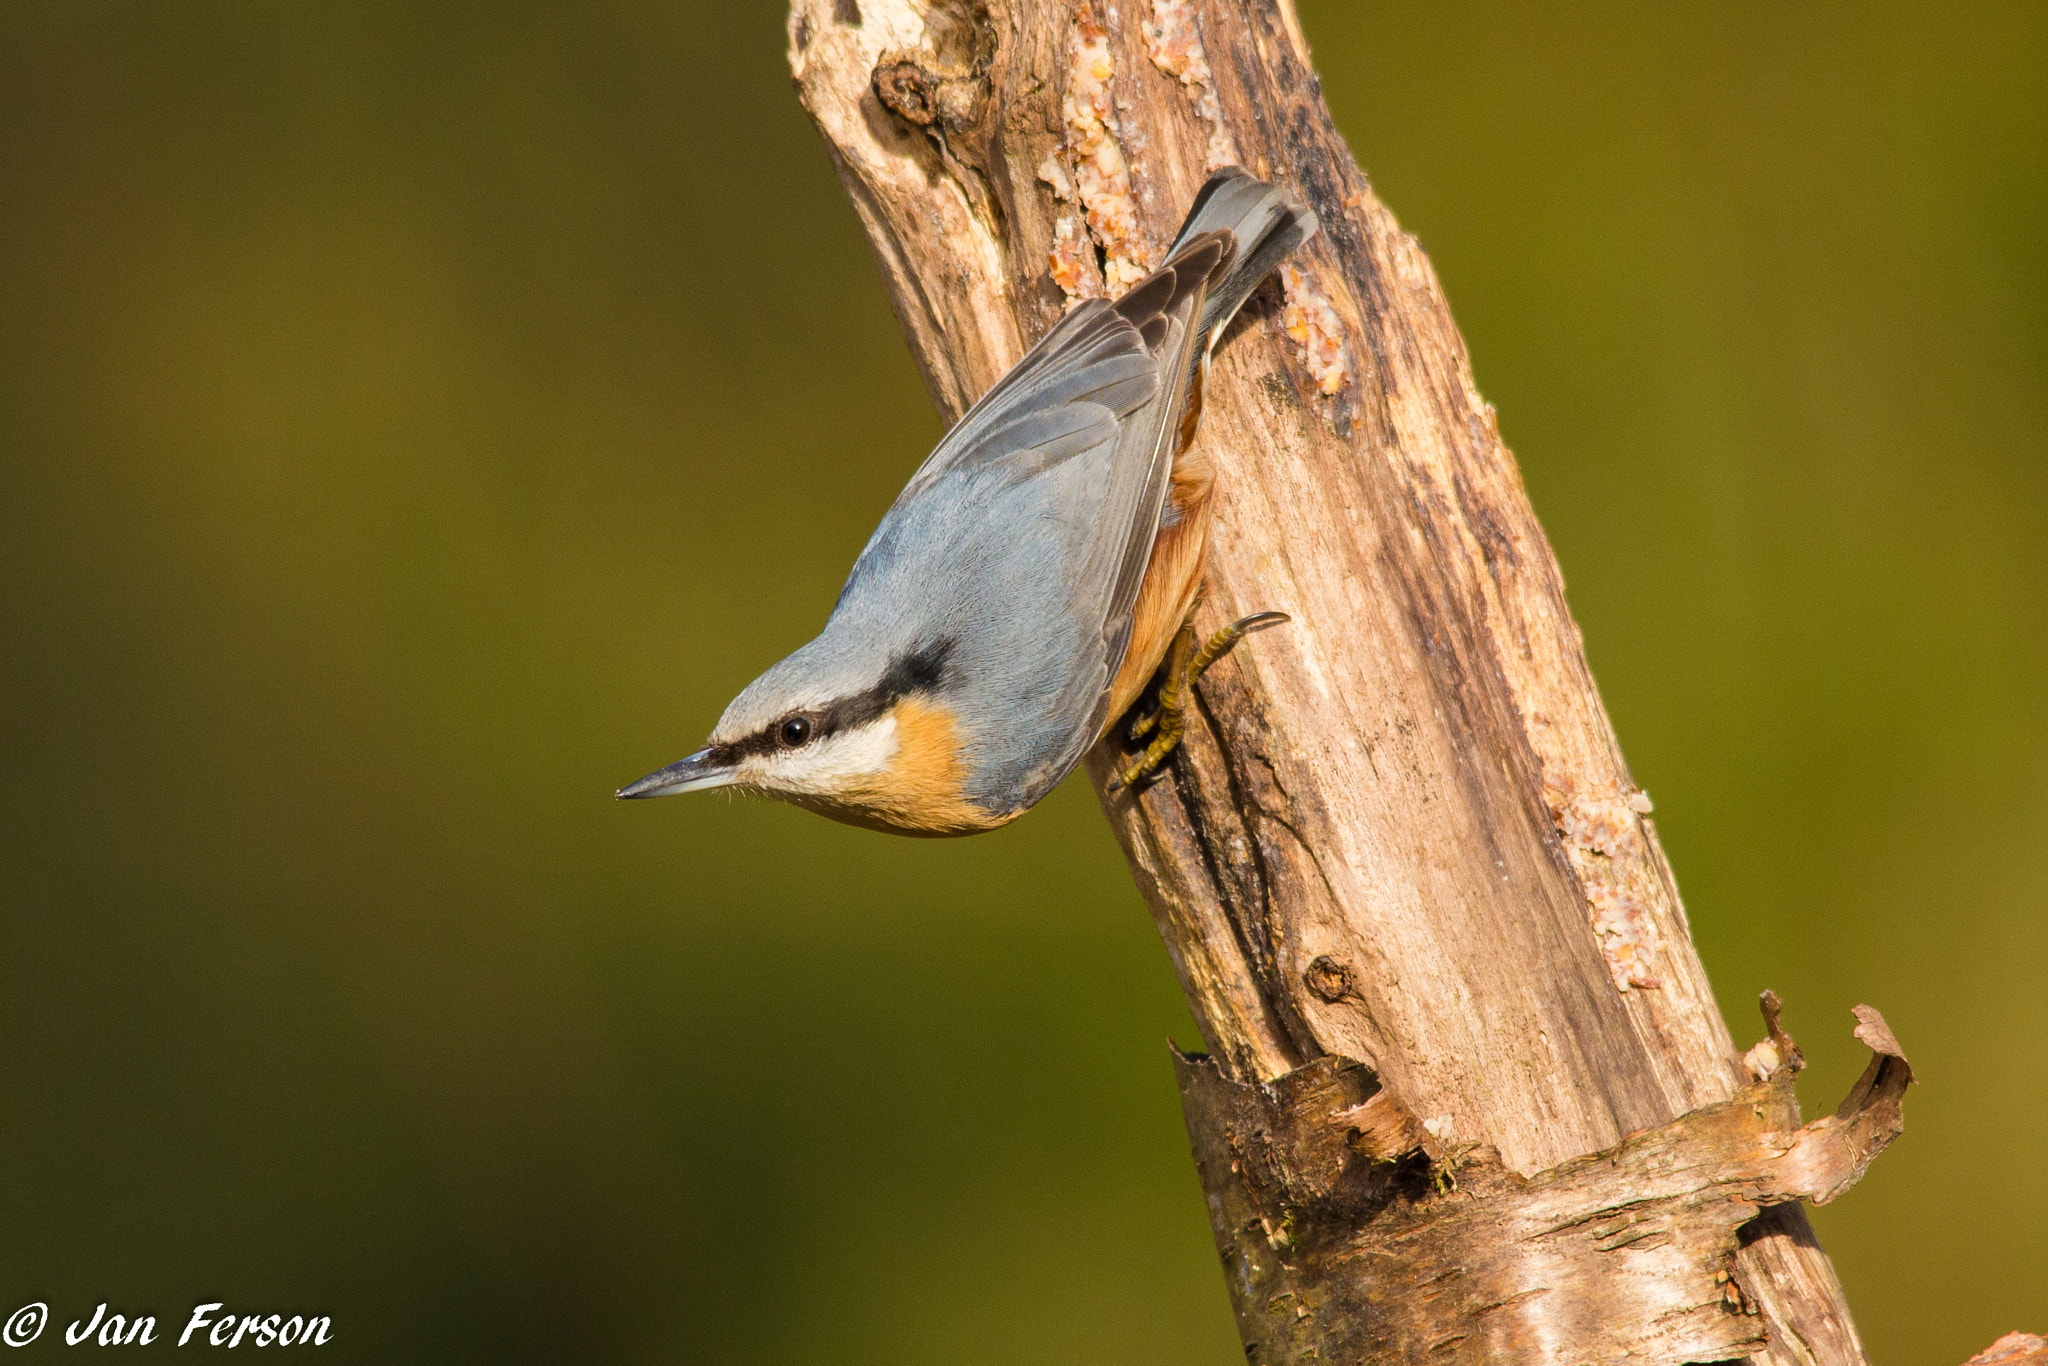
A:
[(1399, 854)]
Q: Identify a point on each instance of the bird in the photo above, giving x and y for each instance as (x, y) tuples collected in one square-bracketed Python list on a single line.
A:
[(1040, 569)]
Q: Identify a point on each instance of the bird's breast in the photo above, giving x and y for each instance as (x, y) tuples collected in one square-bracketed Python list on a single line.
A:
[(922, 789)]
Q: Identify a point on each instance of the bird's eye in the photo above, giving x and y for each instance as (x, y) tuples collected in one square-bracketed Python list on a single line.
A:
[(794, 732)]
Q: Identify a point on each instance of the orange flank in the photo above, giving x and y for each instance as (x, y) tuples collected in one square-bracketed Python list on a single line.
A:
[(1173, 580)]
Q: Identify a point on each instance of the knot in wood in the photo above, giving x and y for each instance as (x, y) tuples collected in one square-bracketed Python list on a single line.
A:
[(936, 100), (1329, 979)]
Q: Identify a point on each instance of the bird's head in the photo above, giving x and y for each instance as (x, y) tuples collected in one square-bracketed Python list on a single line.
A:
[(877, 746)]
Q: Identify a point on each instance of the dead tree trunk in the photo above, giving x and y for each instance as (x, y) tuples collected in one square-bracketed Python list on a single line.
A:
[(1405, 877)]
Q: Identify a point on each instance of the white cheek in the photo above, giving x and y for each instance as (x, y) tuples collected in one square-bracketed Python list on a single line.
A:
[(845, 760)]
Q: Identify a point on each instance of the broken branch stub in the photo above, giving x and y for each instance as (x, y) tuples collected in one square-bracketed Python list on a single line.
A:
[(1350, 1232)]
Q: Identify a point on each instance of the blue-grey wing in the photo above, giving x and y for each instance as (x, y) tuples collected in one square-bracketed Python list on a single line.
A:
[(1092, 358)]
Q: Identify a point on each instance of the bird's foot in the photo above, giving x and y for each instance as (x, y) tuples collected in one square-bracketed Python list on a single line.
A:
[(1167, 722)]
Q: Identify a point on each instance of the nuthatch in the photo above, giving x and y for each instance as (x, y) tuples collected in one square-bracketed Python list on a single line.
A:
[(1029, 582)]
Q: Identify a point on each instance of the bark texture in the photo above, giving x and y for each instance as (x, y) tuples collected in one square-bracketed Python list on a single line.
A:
[(1399, 855)]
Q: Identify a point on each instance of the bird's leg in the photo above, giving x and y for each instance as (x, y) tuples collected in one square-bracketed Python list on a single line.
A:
[(1184, 664), (1176, 666)]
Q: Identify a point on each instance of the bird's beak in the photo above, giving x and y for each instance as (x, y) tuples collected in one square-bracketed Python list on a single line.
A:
[(694, 774)]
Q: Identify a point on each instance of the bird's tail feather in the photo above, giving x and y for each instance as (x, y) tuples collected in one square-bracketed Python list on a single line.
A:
[(1266, 221)]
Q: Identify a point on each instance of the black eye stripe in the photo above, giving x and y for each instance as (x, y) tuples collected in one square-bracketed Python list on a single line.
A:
[(919, 671)]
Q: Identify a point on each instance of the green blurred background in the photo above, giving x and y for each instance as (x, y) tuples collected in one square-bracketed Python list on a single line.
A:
[(417, 420)]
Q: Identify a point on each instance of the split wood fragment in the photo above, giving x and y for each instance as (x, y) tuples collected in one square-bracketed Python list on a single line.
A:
[(2014, 1349)]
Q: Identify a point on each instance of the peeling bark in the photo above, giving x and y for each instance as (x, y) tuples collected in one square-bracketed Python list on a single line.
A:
[(1399, 863), (1351, 1233)]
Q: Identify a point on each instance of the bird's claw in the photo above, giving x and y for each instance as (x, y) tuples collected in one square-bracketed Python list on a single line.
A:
[(1144, 725), (1169, 718)]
